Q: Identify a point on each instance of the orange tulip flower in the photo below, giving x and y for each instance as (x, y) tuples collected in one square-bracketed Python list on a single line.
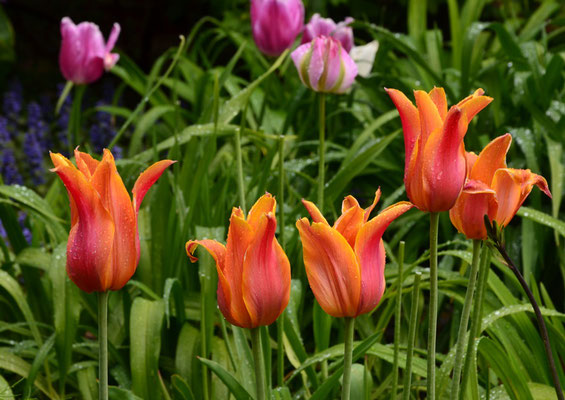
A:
[(434, 170), (345, 263), (253, 270), (103, 245), (492, 189)]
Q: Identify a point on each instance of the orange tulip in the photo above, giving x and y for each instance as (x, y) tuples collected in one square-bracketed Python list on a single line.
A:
[(253, 270), (103, 245), (434, 170), (492, 189), (345, 263)]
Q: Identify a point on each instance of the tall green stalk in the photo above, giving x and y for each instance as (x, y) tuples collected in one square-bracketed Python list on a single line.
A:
[(240, 183), (103, 345), (74, 119), (411, 336), (347, 357), (397, 318), (280, 320), (475, 328), (322, 152), (455, 383), (259, 363), (432, 325)]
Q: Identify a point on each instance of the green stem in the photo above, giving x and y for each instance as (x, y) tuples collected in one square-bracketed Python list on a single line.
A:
[(347, 357), (103, 345), (432, 325), (63, 96), (240, 184), (397, 318), (321, 152), (477, 315), (259, 363), (465, 320), (282, 238), (411, 336), (74, 119)]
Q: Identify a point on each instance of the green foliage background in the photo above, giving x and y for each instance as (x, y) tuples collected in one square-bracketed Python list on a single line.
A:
[(189, 106)]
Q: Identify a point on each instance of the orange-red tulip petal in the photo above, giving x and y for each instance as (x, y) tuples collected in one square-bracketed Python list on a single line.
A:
[(253, 270), (345, 263), (435, 163), (103, 244), (492, 190)]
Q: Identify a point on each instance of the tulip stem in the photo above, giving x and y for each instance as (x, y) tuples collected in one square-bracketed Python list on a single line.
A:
[(477, 315), (103, 345), (259, 363), (321, 152), (411, 336), (541, 323), (432, 325), (74, 119), (240, 183), (347, 357), (455, 385), (397, 318)]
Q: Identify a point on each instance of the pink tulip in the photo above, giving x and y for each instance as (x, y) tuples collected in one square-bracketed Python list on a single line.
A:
[(324, 66), (319, 26), (275, 24), (84, 55)]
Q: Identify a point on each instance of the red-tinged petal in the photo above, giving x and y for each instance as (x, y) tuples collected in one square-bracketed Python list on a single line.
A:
[(471, 160), (512, 187), (475, 103), (476, 201), (115, 198), (85, 163), (437, 95), (218, 252), (370, 209), (348, 202), (266, 204), (492, 157), (349, 222), (444, 165), (430, 119), (240, 235), (371, 255), (314, 212), (266, 275), (146, 179), (89, 247), (331, 267), (410, 120)]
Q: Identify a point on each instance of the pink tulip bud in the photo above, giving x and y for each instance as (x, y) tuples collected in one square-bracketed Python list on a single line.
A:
[(319, 26), (84, 55), (275, 24), (324, 66)]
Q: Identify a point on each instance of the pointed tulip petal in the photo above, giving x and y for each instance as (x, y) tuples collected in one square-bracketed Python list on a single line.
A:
[(410, 120), (332, 268), (146, 179), (85, 163), (370, 209), (512, 187), (492, 157), (266, 275), (266, 204), (437, 95), (349, 222), (92, 233), (430, 119), (473, 104), (370, 253), (314, 212)]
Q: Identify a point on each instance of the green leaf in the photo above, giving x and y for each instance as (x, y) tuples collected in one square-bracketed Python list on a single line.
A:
[(146, 320), (174, 288), (12, 363), (181, 390), (66, 306), (5, 390), (188, 347), (146, 121), (38, 361), (87, 384), (116, 393), (227, 377), (543, 219)]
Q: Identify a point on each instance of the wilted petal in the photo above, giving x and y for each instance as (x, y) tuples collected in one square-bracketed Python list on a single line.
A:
[(371, 255), (332, 268), (266, 274)]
